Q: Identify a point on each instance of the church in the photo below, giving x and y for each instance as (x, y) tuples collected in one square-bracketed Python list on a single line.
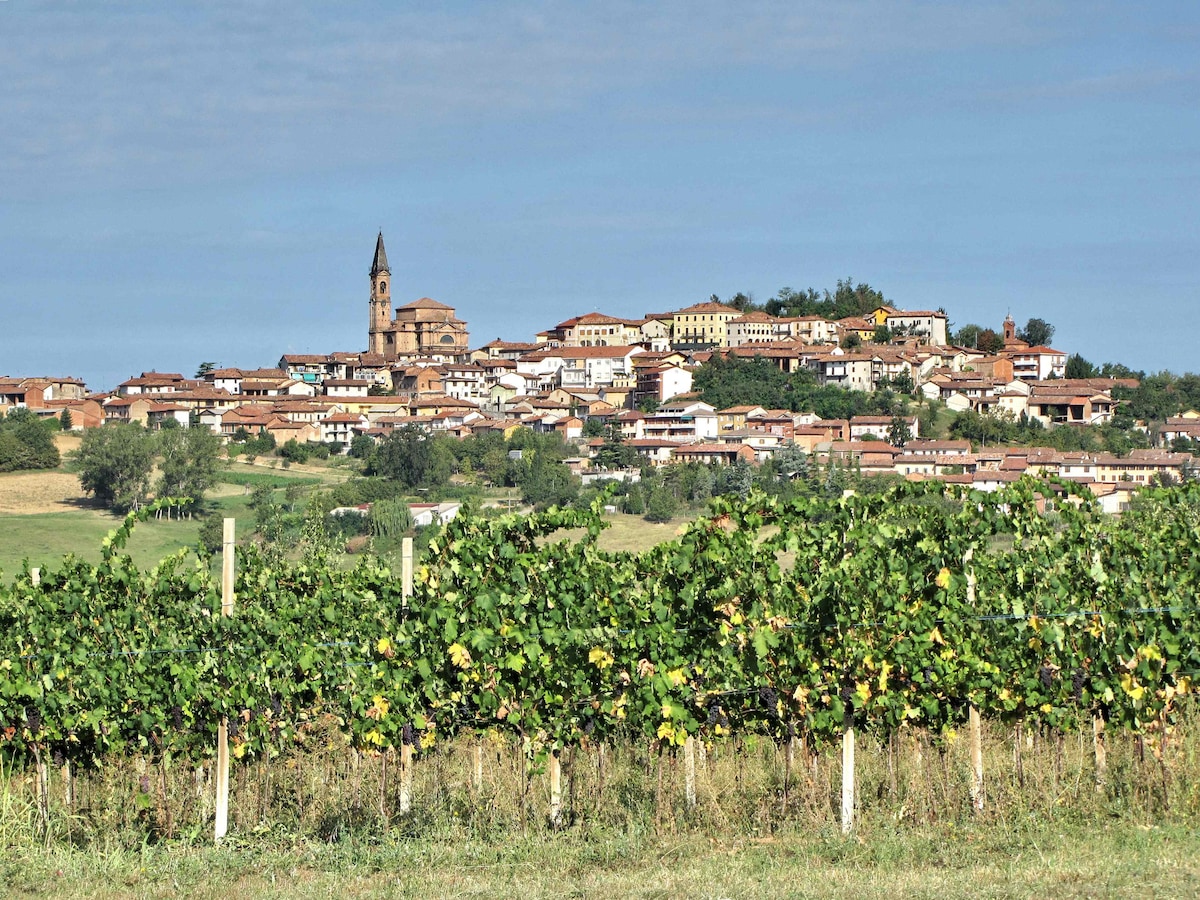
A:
[(423, 328)]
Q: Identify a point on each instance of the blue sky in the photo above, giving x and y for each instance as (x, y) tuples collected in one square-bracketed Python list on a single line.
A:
[(181, 183)]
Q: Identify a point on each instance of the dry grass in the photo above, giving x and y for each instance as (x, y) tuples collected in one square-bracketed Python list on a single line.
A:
[(31, 493)]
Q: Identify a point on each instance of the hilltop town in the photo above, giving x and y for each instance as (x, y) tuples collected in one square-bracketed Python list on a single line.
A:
[(595, 380)]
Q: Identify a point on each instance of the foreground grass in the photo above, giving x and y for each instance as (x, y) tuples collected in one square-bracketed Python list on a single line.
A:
[(988, 861)]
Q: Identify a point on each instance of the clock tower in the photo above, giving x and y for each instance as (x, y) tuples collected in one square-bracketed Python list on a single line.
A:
[(381, 300)]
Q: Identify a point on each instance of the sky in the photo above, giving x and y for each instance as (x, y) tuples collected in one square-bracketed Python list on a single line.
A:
[(182, 183)]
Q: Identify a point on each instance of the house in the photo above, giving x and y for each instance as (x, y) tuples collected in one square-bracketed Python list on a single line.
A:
[(682, 421), (762, 443), (593, 330), (844, 369), (340, 428), (426, 514), (346, 387), (655, 451), (85, 413), (158, 414), (505, 350), (735, 417), (661, 382), (879, 426), (127, 410), (930, 327), (154, 383), (720, 454)]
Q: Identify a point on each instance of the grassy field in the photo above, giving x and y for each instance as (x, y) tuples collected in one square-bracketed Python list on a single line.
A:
[(984, 862), (44, 515)]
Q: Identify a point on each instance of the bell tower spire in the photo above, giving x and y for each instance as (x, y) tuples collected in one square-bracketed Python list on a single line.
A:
[(381, 299)]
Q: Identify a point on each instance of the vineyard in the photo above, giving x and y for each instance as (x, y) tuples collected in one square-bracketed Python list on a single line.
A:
[(927, 611)]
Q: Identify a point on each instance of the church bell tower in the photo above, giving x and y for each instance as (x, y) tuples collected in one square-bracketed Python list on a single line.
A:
[(381, 299)]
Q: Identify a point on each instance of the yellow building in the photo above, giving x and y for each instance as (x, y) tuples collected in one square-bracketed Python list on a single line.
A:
[(703, 325)]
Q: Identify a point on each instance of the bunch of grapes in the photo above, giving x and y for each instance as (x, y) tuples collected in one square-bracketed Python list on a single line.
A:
[(406, 734), (1077, 685), (770, 700), (1047, 677)]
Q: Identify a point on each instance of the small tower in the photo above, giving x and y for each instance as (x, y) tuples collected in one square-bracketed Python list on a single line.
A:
[(1010, 327), (381, 299)]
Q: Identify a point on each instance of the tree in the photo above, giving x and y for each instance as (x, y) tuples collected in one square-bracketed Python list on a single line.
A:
[(851, 341), (967, 336), (390, 518), (882, 335), (1078, 367), (899, 433), (903, 383), (1037, 333), (661, 505), (414, 458), (362, 446), (987, 341), (115, 463), (790, 461), (204, 368), (26, 442), (548, 482), (64, 420), (191, 459)]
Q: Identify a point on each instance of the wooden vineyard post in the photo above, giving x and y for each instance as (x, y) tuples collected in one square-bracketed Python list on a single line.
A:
[(1101, 753), (555, 789), (848, 771), (406, 571), (477, 775), (221, 826), (689, 771), (406, 777), (976, 758)]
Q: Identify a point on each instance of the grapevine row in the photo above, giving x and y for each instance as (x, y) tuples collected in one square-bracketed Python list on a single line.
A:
[(896, 610)]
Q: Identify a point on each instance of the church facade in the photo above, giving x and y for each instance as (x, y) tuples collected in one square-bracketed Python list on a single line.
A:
[(423, 328)]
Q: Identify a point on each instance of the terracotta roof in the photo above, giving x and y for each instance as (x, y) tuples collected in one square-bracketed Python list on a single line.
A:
[(707, 307), (426, 303)]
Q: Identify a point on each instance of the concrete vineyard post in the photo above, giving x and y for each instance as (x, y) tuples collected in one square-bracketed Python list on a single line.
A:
[(221, 825), (406, 570), (555, 789), (976, 758), (42, 767), (848, 773)]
